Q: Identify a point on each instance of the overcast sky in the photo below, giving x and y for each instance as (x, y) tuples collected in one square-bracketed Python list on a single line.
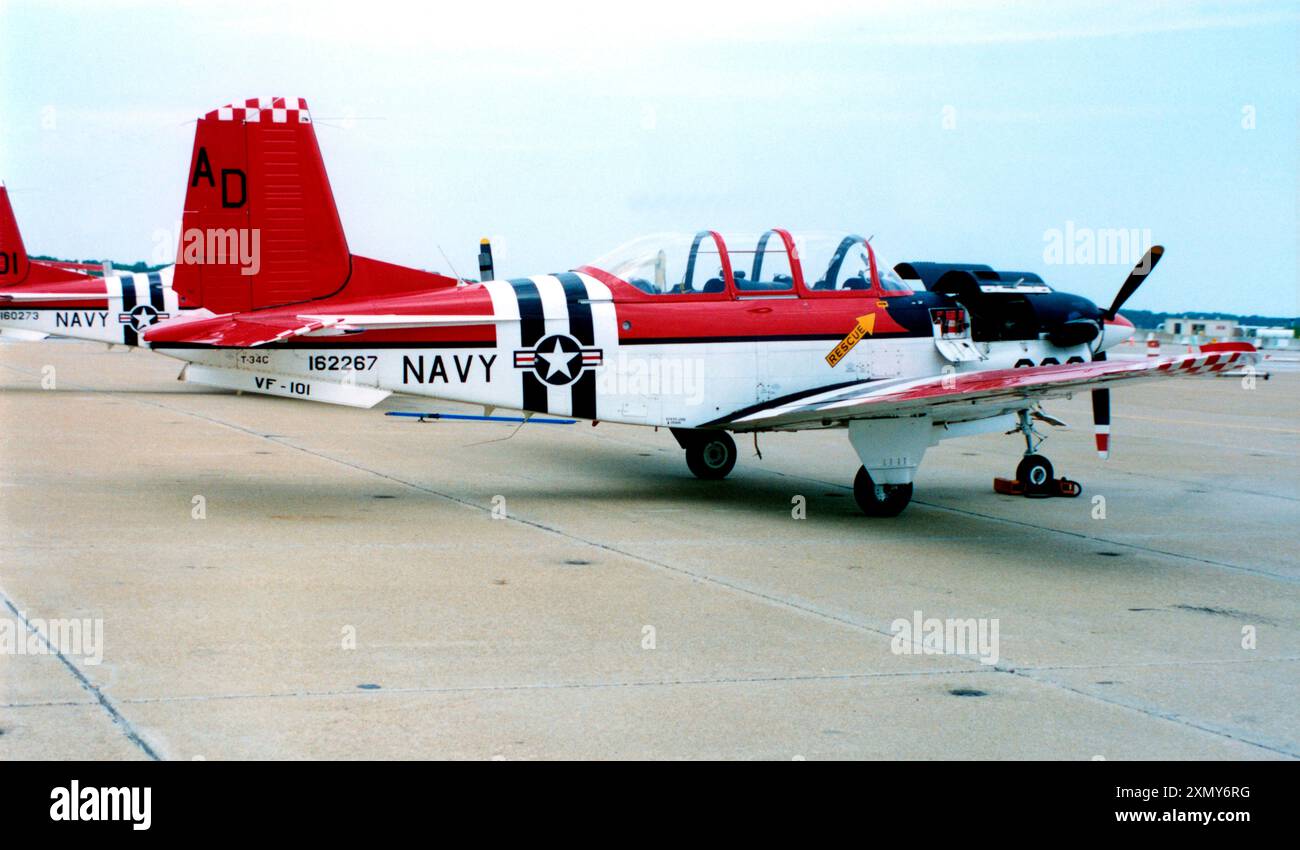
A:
[(964, 131)]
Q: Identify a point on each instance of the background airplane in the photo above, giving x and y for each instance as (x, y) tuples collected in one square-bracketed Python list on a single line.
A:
[(40, 299)]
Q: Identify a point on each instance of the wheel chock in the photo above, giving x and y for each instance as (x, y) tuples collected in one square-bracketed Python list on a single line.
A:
[(1008, 487), (1063, 487), (1067, 488)]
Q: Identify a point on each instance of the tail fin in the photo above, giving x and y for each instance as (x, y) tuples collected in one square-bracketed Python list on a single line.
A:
[(259, 227), (14, 264)]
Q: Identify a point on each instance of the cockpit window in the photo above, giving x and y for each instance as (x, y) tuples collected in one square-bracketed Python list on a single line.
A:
[(773, 264), (672, 264), (849, 268), (772, 270)]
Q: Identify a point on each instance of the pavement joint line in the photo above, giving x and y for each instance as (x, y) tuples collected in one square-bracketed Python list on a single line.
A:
[(807, 609), (100, 697), (1187, 483), (1024, 668), (650, 683), (578, 686), (1149, 710), (1151, 550), (1137, 665), (1076, 534)]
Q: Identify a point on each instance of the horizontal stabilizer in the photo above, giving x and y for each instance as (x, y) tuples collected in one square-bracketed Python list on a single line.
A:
[(250, 331), (21, 297), (384, 322)]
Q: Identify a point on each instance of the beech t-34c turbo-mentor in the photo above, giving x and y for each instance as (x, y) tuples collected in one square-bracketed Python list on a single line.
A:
[(700, 336)]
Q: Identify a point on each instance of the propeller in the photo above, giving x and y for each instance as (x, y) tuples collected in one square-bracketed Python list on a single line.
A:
[(1134, 280), (1101, 415), (1101, 397)]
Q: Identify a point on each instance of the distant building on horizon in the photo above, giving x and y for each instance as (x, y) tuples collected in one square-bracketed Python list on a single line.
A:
[(1180, 326)]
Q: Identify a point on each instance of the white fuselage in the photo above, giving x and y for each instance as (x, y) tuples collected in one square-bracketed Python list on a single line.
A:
[(681, 384)]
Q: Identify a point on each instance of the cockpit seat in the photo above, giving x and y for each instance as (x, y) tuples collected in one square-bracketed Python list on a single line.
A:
[(643, 285)]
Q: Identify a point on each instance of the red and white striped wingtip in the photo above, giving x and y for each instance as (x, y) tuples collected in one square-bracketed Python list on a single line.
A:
[(1103, 441)]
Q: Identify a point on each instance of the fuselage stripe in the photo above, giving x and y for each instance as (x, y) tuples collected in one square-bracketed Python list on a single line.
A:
[(581, 329), (156, 292), (129, 335), (532, 327)]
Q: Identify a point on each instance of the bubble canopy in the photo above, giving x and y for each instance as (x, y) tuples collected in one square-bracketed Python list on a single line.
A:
[(771, 264)]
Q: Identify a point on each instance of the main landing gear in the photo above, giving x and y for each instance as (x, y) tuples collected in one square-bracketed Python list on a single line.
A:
[(882, 500), (1034, 475), (711, 455)]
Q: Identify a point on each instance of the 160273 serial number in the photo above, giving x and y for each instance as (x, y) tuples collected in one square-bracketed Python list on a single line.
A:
[(342, 362)]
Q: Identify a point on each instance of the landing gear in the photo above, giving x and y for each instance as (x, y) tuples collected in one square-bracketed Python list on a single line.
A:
[(882, 500), (709, 454), (1034, 474)]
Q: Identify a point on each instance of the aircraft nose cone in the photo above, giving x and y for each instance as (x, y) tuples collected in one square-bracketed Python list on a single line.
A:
[(1116, 331)]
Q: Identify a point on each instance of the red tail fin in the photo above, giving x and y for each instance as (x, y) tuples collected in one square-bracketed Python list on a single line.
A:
[(13, 255), (260, 227)]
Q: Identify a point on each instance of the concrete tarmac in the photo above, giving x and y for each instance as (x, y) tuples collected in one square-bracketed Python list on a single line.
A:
[(361, 586)]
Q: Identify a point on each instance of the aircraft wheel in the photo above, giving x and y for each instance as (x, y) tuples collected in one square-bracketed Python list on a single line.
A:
[(880, 499), (712, 455), (1035, 472)]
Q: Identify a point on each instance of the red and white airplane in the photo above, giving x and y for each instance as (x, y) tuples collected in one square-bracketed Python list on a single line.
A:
[(701, 336), (40, 299)]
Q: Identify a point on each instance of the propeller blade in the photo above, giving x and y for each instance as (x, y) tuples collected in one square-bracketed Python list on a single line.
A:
[(1101, 421), (1135, 278), (1101, 415)]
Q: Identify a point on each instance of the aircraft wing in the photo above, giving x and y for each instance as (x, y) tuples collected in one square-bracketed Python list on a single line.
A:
[(8, 297), (967, 396)]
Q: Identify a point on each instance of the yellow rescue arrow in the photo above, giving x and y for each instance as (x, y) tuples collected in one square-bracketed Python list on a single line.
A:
[(866, 326)]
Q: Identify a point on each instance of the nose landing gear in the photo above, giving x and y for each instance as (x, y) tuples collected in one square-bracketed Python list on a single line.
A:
[(1034, 474)]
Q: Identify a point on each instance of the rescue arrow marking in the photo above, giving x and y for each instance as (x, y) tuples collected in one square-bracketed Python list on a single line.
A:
[(865, 327)]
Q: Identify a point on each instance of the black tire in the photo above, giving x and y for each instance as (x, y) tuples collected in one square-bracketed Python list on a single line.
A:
[(881, 500), (1035, 472), (712, 455)]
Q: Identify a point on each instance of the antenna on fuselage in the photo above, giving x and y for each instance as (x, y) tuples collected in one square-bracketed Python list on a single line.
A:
[(485, 260), (460, 281)]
